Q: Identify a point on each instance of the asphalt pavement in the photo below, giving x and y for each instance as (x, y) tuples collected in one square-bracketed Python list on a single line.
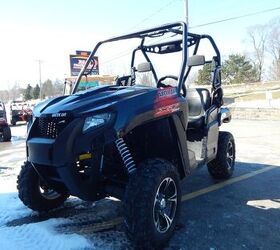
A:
[(241, 213)]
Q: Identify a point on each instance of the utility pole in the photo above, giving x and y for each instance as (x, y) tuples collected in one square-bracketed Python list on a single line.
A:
[(40, 77), (186, 2)]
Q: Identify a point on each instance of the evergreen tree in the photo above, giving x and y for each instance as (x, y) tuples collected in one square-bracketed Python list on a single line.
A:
[(28, 93), (237, 69), (204, 75), (36, 92), (47, 89)]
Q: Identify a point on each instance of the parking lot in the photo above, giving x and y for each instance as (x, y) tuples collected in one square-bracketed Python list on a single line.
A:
[(241, 213)]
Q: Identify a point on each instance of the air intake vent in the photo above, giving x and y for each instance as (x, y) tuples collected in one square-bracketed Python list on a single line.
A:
[(51, 127)]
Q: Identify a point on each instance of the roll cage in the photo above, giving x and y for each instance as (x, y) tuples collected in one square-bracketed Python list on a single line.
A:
[(188, 40)]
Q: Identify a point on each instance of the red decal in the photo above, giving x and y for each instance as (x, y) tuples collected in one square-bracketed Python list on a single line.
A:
[(167, 109), (166, 101)]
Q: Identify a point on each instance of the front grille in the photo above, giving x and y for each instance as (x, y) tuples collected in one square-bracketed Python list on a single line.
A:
[(51, 127)]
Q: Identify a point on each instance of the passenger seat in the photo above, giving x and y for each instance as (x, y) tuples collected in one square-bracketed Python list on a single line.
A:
[(199, 101)]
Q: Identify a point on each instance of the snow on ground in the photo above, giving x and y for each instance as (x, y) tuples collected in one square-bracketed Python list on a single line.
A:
[(69, 227), (39, 235)]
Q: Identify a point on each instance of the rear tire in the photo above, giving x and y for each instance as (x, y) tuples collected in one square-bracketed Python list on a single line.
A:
[(34, 194), (152, 204), (7, 134), (222, 166)]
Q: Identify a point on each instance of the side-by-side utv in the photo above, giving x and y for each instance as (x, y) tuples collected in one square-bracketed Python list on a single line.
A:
[(19, 112), (132, 140)]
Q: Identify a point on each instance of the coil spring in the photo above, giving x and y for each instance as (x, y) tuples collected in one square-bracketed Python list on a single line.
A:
[(125, 155)]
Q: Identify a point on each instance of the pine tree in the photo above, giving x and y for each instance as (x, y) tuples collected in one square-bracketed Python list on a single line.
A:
[(237, 69), (204, 75), (28, 93), (36, 92)]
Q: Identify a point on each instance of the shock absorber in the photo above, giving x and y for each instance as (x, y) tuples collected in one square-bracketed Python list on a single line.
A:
[(125, 155)]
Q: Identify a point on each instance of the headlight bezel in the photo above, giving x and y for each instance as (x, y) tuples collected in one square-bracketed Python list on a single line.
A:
[(94, 121)]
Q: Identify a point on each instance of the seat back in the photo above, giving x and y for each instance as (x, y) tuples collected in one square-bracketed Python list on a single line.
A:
[(199, 101)]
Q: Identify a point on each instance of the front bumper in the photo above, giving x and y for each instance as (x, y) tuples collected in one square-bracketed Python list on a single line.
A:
[(54, 152), (56, 159)]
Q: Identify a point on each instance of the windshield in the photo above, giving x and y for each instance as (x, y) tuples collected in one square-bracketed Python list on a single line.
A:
[(87, 82), (139, 59)]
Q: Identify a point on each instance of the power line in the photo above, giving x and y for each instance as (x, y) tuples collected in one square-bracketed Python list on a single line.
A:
[(122, 54), (152, 15), (199, 25), (234, 18)]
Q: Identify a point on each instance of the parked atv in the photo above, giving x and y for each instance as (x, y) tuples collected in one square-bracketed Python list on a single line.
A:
[(131, 140), (19, 112), (5, 131)]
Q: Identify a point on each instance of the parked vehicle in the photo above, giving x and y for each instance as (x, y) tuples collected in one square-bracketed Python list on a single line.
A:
[(20, 111), (5, 131), (131, 140)]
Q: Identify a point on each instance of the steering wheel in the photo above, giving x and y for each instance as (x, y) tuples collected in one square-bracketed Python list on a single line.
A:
[(162, 85), (160, 80)]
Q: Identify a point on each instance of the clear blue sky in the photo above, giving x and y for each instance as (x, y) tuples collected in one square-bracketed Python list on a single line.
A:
[(51, 30)]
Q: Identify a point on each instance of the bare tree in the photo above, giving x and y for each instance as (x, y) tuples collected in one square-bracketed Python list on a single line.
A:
[(258, 38), (273, 47), (4, 95), (146, 79), (15, 92)]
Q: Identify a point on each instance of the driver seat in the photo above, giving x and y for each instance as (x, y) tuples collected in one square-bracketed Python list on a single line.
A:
[(199, 101)]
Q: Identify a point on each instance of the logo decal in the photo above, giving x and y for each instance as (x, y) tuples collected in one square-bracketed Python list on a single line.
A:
[(59, 115), (166, 101), (167, 109)]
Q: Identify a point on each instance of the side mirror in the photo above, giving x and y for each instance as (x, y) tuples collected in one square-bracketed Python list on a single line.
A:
[(144, 67), (196, 60)]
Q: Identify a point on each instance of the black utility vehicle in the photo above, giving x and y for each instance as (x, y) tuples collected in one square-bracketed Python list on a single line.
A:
[(5, 131), (131, 140)]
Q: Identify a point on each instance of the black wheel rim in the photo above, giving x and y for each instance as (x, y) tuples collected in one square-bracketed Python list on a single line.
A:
[(165, 205), (230, 155)]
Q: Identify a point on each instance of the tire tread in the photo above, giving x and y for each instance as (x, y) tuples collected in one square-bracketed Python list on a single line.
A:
[(141, 185), (29, 194), (218, 167)]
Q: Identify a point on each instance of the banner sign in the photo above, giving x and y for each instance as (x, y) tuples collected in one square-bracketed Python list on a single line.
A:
[(78, 61)]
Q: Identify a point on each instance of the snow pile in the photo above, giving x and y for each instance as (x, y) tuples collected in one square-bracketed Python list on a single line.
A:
[(69, 227), (40, 235)]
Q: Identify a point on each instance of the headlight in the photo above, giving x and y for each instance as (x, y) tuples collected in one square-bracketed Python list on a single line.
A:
[(96, 121)]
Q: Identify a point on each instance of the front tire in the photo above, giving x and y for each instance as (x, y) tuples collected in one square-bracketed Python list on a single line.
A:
[(13, 122), (222, 166), (7, 134), (152, 203), (34, 193)]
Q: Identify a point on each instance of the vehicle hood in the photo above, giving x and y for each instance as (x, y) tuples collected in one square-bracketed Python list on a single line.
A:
[(89, 101)]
